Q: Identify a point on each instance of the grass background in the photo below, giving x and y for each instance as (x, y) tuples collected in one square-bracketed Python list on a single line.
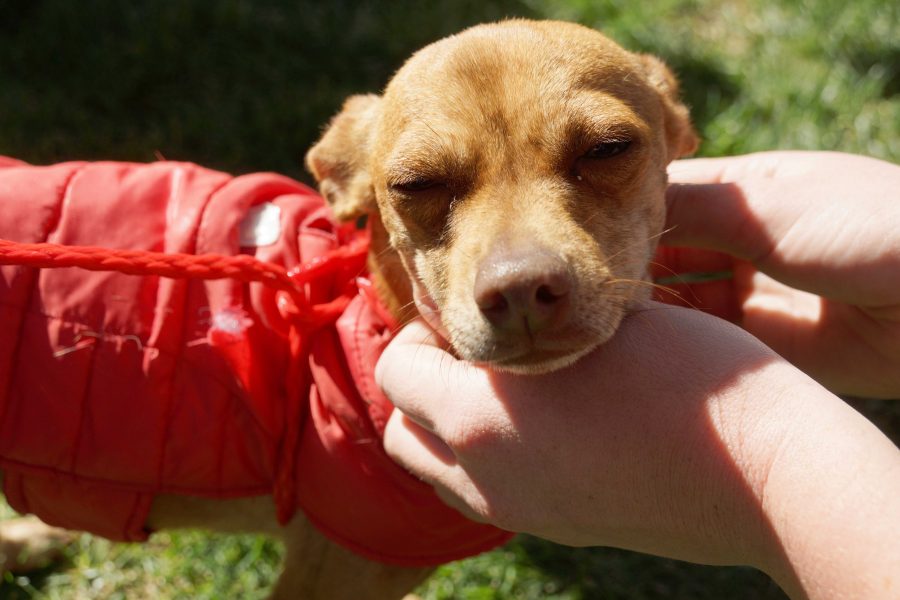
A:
[(246, 86)]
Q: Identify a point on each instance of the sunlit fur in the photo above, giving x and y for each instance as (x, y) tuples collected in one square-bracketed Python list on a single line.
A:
[(482, 141)]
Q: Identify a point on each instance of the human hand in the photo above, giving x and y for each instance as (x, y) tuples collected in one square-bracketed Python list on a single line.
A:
[(813, 241), (682, 436), (597, 453)]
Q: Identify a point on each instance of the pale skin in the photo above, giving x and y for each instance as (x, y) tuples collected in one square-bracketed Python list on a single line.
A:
[(686, 436)]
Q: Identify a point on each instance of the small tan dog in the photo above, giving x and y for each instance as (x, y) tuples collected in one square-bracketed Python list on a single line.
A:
[(514, 178), (515, 174)]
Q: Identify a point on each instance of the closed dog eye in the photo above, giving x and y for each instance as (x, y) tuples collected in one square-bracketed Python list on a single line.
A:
[(607, 149), (415, 184)]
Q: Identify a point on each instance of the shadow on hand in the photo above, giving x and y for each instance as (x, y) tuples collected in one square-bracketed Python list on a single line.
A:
[(649, 402)]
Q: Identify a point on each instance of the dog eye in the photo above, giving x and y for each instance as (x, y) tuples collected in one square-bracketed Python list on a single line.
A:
[(608, 149), (415, 185)]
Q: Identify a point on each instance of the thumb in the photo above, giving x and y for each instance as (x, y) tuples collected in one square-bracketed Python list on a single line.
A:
[(709, 206)]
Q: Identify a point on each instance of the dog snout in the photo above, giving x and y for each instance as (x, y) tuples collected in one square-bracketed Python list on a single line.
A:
[(524, 292)]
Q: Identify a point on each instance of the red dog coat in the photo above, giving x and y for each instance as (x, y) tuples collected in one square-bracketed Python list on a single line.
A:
[(115, 387)]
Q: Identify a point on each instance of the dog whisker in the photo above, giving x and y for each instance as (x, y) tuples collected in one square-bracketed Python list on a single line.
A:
[(609, 260)]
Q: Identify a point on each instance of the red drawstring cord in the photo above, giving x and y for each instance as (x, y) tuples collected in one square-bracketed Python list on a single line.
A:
[(241, 267), (143, 262), (344, 262)]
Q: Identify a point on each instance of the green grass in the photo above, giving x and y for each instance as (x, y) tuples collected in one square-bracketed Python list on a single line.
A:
[(246, 86), (814, 74), (187, 564)]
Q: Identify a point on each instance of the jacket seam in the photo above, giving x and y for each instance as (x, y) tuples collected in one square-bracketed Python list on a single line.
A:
[(169, 408), (32, 285)]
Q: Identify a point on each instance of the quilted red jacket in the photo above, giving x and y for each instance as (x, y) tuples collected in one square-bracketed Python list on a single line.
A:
[(116, 387)]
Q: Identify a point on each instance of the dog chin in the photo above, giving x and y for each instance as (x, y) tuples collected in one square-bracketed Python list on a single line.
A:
[(537, 362), (531, 361)]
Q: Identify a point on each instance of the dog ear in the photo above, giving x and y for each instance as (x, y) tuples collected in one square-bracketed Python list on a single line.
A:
[(339, 160), (680, 136)]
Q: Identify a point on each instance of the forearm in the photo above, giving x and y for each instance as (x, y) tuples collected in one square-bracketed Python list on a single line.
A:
[(831, 498), (771, 470)]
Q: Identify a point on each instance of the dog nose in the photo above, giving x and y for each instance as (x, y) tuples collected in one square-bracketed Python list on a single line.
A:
[(525, 292)]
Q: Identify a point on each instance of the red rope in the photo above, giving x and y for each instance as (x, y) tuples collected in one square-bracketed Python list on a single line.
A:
[(143, 262), (240, 267)]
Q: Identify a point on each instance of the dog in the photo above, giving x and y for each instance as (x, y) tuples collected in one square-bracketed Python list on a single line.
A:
[(513, 178)]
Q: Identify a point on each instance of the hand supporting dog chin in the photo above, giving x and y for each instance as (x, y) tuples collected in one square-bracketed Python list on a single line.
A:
[(682, 436), (431, 318)]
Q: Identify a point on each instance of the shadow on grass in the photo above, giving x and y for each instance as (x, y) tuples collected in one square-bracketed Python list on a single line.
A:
[(885, 60), (885, 414), (705, 86), (25, 587), (612, 574), (235, 85)]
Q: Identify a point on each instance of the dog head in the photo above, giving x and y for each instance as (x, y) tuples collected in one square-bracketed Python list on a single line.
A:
[(519, 171)]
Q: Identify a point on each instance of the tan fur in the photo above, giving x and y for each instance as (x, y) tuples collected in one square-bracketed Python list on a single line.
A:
[(500, 119), (495, 126)]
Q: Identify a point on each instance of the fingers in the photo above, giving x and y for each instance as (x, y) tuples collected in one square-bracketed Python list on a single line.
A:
[(409, 372), (705, 212), (426, 385), (742, 205), (412, 371), (423, 381), (804, 218), (416, 448), (421, 452)]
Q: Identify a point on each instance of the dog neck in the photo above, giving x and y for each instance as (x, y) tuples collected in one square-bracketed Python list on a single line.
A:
[(389, 277)]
